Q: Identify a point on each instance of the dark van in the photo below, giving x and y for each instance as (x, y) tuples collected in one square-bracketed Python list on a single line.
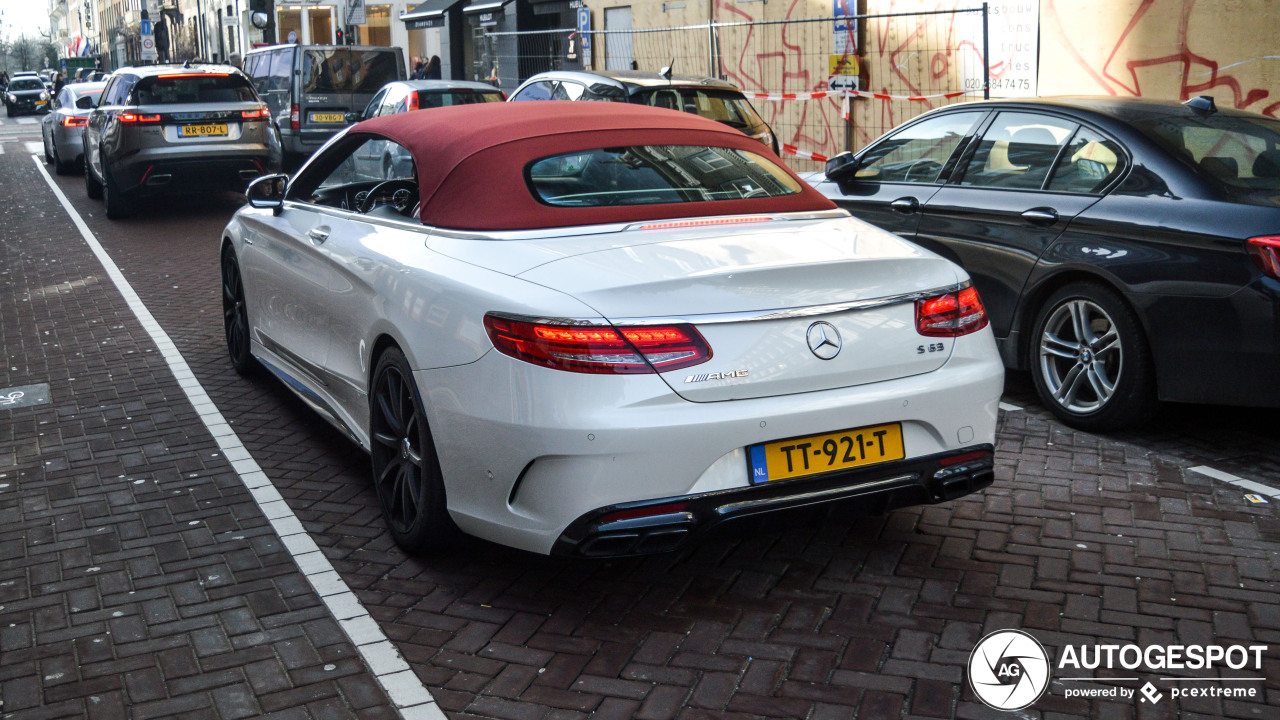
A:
[(311, 88)]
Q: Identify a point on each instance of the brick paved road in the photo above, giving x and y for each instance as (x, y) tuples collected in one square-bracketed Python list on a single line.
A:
[(819, 615)]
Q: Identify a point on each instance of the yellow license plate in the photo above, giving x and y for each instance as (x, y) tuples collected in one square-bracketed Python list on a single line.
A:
[(328, 117), (816, 454), (202, 130)]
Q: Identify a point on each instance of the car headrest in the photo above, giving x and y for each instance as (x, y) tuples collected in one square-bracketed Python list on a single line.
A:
[(1031, 144), (1267, 164), (1220, 167)]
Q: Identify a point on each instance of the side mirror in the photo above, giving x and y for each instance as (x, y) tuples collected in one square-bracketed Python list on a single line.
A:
[(841, 167), (354, 117), (267, 192), (84, 103)]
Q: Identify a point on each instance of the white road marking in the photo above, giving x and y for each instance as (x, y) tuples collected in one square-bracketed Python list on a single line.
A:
[(27, 121), (1009, 408), (409, 696), (1251, 486), (1, 148), (34, 147)]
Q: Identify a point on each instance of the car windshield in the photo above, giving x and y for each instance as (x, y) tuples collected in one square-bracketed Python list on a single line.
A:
[(193, 88), (26, 84), (1239, 154), (653, 174), (343, 70), (445, 98), (725, 106)]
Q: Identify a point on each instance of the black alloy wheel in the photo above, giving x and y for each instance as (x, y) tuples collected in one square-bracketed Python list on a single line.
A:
[(235, 316), (406, 470), (1089, 360)]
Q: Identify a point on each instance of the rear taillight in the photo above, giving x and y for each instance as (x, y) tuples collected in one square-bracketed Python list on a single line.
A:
[(412, 102), (295, 117), (598, 348), (129, 117), (254, 114), (951, 314), (73, 121), (1265, 252)]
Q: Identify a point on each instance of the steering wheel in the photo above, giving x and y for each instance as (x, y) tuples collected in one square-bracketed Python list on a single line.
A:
[(922, 168), (402, 191)]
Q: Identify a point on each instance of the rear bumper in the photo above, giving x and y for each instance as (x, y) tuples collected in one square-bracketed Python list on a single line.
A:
[(305, 142), (144, 175), (665, 524)]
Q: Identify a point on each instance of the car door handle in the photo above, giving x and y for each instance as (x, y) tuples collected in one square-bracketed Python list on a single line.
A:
[(318, 235), (906, 205), (1041, 216)]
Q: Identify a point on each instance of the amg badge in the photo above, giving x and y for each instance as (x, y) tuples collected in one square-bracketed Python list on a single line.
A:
[(716, 376)]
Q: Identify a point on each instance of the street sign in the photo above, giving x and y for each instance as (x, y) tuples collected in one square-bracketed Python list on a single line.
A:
[(148, 42), (584, 33), (355, 12)]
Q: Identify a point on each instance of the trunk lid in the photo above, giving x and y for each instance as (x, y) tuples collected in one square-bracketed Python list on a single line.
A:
[(755, 292)]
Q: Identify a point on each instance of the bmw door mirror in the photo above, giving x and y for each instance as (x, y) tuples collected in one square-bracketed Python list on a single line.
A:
[(841, 167), (267, 192), (84, 103)]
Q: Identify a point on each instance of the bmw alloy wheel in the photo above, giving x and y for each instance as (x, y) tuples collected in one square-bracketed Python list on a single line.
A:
[(1081, 357)]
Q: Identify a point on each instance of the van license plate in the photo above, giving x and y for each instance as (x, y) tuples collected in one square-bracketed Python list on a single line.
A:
[(816, 454), (331, 117), (202, 130)]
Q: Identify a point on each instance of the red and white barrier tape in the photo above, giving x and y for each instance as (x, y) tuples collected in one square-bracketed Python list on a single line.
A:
[(787, 97), (803, 154)]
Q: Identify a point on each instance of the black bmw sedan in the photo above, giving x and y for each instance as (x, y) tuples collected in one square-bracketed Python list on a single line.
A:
[(1126, 250)]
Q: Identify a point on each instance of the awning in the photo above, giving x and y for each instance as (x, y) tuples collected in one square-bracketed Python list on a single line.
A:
[(428, 14), (484, 6)]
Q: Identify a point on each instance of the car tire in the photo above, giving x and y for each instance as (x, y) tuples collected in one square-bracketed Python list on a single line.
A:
[(117, 205), (92, 186), (48, 157), (1089, 360), (406, 469), (59, 166), (235, 315)]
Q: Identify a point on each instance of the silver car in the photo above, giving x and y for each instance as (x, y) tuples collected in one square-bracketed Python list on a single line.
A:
[(61, 129), (170, 128)]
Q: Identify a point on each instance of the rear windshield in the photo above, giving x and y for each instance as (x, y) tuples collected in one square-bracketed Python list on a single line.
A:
[(26, 84), (725, 106), (653, 174), (1239, 154), (348, 71), (445, 98), (193, 88)]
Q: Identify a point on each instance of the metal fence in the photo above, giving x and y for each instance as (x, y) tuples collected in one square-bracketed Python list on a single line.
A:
[(823, 84)]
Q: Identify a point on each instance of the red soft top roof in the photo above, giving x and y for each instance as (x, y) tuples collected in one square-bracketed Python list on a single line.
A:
[(471, 160)]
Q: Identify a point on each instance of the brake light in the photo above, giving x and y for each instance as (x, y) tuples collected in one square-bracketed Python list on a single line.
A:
[(599, 348), (294, 117), (254, 114), (129, 117), (951, 314), (701, 223), (1265, 253), (182, 75), (73, 121), (413, 101)]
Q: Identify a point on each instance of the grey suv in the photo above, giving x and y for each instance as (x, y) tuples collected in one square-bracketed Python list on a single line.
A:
[(169, 128), (697, 94)]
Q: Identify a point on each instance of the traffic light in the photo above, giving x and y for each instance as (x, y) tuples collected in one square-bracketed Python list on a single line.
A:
[(342, 37)]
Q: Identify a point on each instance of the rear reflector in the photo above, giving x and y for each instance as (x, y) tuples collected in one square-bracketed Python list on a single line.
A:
[(1265, 252), (73, 121), (700, 223), (598, 348), (966, 457), (951, 314), (649, 511)]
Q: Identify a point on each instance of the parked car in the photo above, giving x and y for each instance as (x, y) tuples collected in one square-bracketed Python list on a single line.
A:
[(88, 75), (26, 94), (311, 89), (62, 128), (1126, 249), (406, 96), (700, 95), (601, 333), (168, 128)]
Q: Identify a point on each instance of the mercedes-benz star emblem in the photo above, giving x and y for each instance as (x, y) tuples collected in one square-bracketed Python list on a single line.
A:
[(824, 340)]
